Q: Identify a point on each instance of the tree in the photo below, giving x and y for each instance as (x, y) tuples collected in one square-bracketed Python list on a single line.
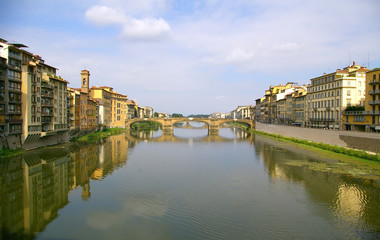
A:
[(354, 108), (177, 115)]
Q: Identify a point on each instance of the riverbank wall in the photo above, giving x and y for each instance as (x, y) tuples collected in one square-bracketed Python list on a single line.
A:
[(38, 140), (357, 140)]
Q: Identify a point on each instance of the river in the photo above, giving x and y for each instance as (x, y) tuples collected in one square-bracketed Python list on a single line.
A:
[(188, 186)]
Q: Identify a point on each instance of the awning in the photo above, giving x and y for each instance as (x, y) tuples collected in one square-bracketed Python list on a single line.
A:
[(377, 127)]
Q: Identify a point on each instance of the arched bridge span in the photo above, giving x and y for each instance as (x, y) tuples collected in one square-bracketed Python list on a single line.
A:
[(213, 124)]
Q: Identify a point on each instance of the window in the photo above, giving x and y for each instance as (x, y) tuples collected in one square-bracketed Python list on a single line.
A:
[(359, 92), (359, 83), (348, 102), (348, 92), (332, 103), (337, 92), (337, 102)]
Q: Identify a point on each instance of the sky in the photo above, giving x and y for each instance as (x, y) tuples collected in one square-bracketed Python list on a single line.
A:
[(200, 56)]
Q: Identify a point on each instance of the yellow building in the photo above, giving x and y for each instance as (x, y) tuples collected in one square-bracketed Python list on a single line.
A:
[(372, 99), (119, 109), (367, 119), (103, 97), (270, 108), (115, 106), (132, 107), (74, 108), (53, 100)]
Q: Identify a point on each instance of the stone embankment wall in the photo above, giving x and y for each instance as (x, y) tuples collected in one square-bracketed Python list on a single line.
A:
[(37, 141), (358, 140)]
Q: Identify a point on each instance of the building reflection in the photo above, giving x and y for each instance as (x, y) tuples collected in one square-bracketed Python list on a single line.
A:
[(352, 199), (36, 185)]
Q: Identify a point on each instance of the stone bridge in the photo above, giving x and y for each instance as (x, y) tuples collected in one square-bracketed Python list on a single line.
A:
[(174, 139), (213, 124)]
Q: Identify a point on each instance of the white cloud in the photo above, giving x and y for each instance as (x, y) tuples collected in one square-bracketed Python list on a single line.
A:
[(289, 46), (145, 29), (140, 7), (102, 15), (238, 56)]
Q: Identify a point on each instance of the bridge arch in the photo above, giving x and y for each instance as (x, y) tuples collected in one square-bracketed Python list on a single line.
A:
[(129, 122), (212, 123)]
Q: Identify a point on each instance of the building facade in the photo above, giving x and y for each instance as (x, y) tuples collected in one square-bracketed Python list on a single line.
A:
[(11, 80), (330, 94), (367, 119)]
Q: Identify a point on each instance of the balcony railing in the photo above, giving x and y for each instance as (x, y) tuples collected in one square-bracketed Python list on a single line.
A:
[(14, 121), (13, 78), (377, 91), (374, 102), (47, 104), (355, 113), (374, 82), (14, 89), (14, 100), (322, 119), (47, 95), (17, 131), (47, 113), (15, 67), (14, 112), (48, 86)]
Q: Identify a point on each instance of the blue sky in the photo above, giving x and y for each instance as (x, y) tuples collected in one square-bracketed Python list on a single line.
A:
[(195, 56)]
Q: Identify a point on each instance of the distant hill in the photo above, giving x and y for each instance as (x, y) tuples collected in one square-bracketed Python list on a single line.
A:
[(199, 115)]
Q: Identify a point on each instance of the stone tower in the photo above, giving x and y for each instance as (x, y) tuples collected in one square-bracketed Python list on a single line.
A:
[(85, 80)]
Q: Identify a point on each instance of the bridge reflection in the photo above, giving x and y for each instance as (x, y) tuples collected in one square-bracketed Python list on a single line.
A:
[(213, 124), (165, 137)]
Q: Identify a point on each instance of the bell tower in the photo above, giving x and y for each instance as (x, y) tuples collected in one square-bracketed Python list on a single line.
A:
[(85, 80)]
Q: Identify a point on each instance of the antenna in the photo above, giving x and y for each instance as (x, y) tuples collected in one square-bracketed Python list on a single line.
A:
[(368, 59), (349, 57)]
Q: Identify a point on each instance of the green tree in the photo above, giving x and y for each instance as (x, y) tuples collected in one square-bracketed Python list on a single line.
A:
[(177, 115)]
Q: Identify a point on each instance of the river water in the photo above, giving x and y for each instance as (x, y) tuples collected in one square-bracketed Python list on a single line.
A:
[(188, 186)]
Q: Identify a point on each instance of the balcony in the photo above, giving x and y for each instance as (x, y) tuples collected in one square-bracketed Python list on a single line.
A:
[(16, 90), (321, 119), (377, 91), (47, 86), (374, 102), (354, 113), (15, 67), (14, 79), (14, 112), (14, 121), (47, 114), (374, 82), (16, 131), (15, 100), (44, 121), (371, 112), (47, 104), (47, 95)]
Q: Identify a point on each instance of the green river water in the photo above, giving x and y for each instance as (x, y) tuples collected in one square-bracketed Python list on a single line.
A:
[(188, 186)]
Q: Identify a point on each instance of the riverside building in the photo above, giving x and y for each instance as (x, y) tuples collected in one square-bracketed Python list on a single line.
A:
[(10, 91), (329, 95), (367, 119)]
